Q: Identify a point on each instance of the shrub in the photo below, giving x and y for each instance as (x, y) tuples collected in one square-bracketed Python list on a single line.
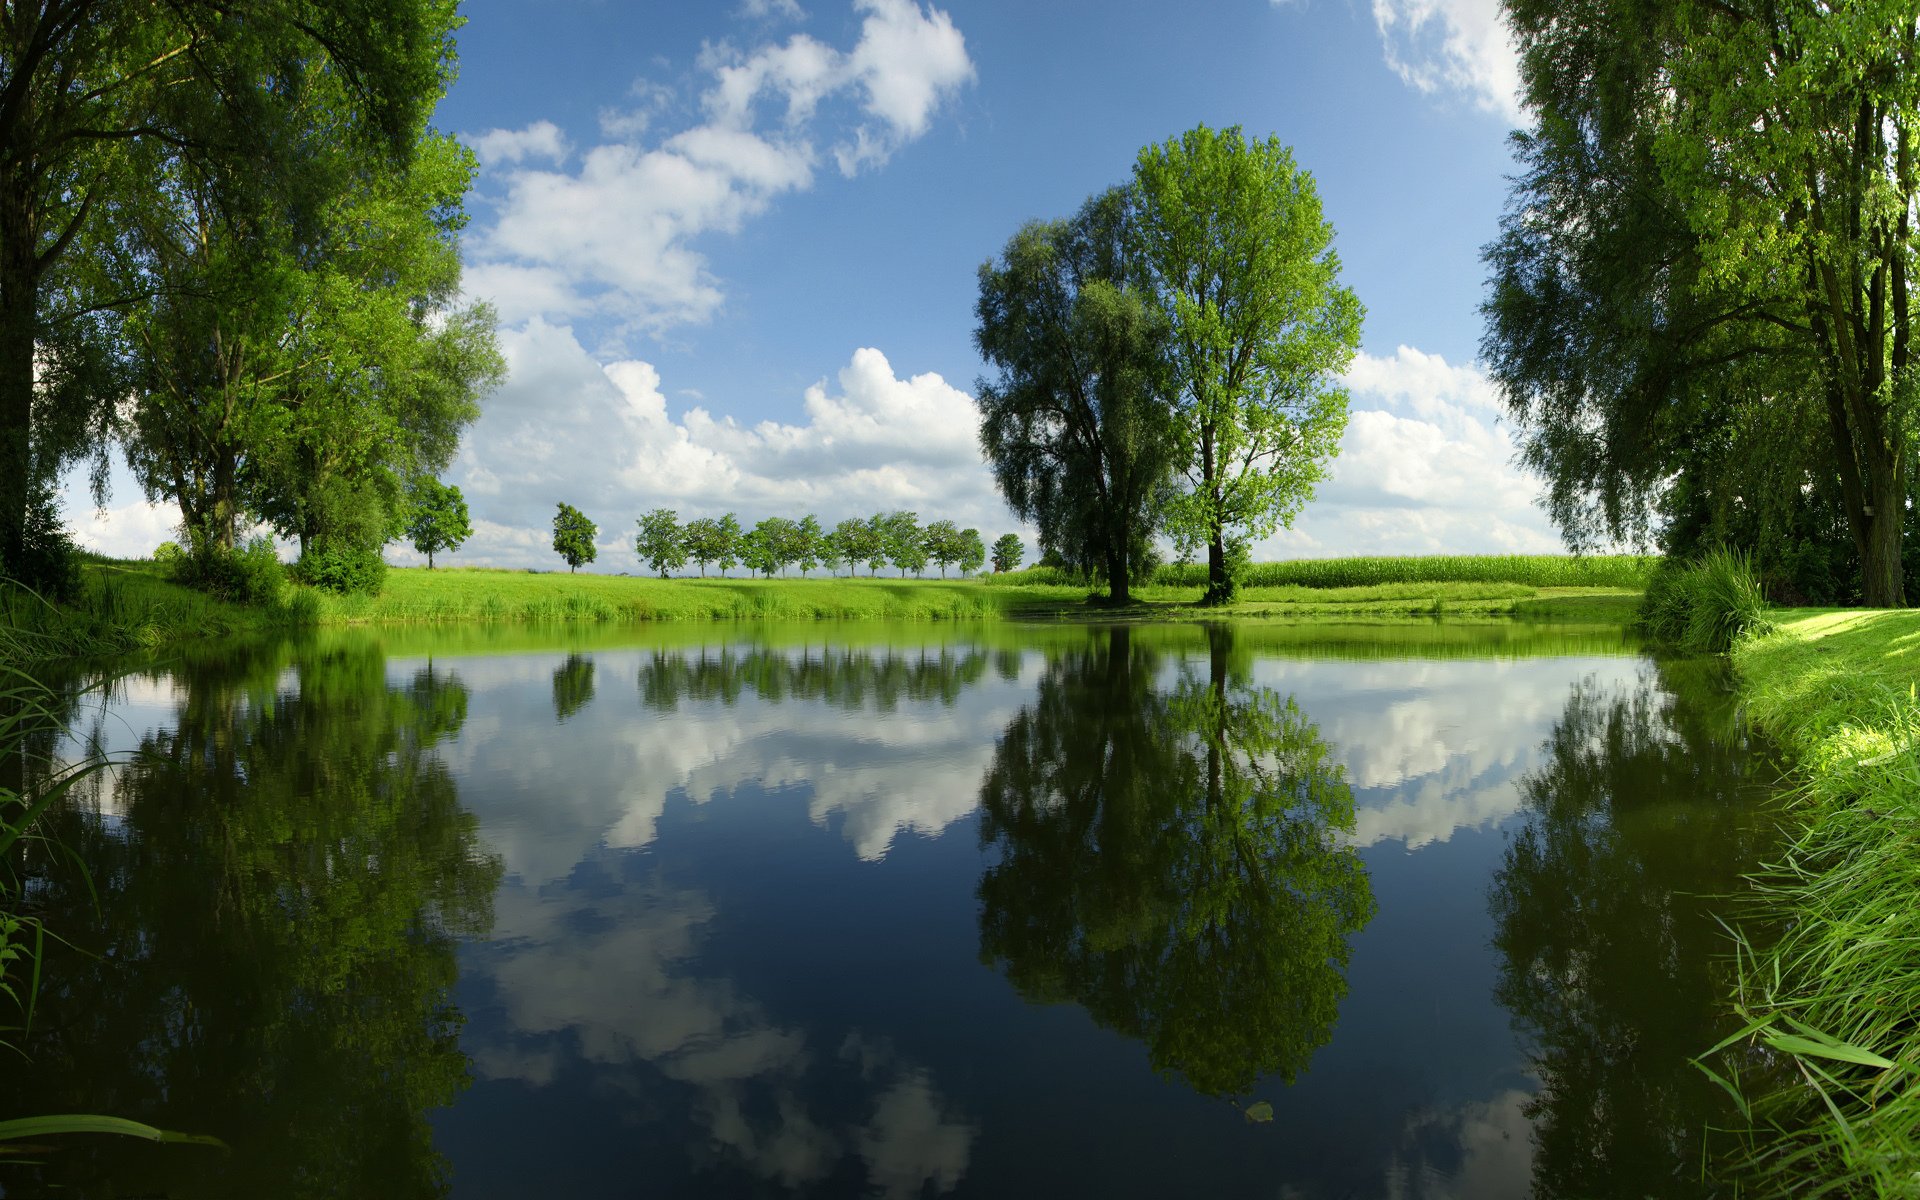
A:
[(252, 574), (343, 568), (167, 554), (49, 562)]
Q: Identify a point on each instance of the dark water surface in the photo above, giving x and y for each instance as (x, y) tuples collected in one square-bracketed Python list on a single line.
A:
[(1054, 911)]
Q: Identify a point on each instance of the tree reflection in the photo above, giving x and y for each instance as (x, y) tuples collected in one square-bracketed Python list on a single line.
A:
[(843, 677), (1611, 960), (1171, 859), (572, 686), (281, 875)]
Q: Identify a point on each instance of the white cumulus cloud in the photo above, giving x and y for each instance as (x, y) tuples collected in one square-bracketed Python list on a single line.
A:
[(602, 438), (1458, 47), (616, 234), (1426, 467)]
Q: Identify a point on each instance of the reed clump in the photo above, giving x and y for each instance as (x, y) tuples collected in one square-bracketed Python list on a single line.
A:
[(1705, 606)]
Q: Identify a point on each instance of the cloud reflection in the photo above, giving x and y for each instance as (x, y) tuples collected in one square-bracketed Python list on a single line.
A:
[(601, 972)]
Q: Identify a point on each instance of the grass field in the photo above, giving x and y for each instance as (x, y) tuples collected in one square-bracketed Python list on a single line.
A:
[(129, 605), (1533, 570), (1831, 973)]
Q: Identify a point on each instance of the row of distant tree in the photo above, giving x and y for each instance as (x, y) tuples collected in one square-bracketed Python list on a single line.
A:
[(778, 544)]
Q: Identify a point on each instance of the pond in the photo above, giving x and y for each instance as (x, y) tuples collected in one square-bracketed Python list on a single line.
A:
[(1348, 911)]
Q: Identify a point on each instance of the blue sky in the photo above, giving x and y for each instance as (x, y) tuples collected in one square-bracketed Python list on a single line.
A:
[(734, 246)]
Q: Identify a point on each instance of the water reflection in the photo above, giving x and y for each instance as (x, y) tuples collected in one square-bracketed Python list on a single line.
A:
[(880, 680), (713, 719), (607, 988), (281, 874), (572, 686), (1640, 816), (1172, 860)]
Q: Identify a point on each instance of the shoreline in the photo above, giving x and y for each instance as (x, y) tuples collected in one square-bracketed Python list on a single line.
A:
[(128, 606)]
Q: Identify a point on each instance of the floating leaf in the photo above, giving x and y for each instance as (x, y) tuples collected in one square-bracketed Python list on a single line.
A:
[(1259, 1112)]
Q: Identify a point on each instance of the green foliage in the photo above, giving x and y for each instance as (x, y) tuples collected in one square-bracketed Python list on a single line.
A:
[(662, 543), (168, 553), (343, 568), (856, 541), (252, 574), (1706, 606), (809, 543), (1077, 423), (902, 542), (117, 113), (972, 553), (1008, 550), (573, 536), (46, 558), (1700, 316), (708, 540), (439, 519), (1243, 268)]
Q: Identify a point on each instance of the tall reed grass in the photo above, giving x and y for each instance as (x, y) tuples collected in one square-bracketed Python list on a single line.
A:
[(1705, 606)]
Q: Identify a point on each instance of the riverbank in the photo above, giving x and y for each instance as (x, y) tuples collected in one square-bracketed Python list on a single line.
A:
[(127, 605), (1834, 995)]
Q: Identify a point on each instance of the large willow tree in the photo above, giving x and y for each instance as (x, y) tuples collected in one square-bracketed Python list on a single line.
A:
[(1701, 287), (88, 88)]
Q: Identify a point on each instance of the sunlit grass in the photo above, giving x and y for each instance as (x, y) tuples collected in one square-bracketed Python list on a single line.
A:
[(1830, 953), (480, 594)]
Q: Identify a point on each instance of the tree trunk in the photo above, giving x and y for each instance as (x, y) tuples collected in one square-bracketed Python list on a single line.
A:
[(19, 315), (1119, 586)]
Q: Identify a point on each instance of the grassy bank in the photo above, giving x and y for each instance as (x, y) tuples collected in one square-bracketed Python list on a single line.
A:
[(1834, 988), (126, 605), (131, 605)]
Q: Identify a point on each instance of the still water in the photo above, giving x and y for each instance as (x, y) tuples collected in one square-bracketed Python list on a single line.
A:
[(1395, 911)]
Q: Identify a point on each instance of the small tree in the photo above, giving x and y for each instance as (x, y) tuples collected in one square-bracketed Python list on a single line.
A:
[(876, 543), (856, 542), (809, 543), (903, 543), (831, 554), (661, 541), (573, 537), (726, 543), (1008, 550), (973, 551), (941, 541), (757, 550), (777, 544), (702, 539), (439, 519)]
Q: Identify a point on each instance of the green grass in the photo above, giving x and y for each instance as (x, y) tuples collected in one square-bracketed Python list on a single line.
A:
[(480, 594), (1830, 953), (1156, 601), (130, 605), (1533, 570)]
